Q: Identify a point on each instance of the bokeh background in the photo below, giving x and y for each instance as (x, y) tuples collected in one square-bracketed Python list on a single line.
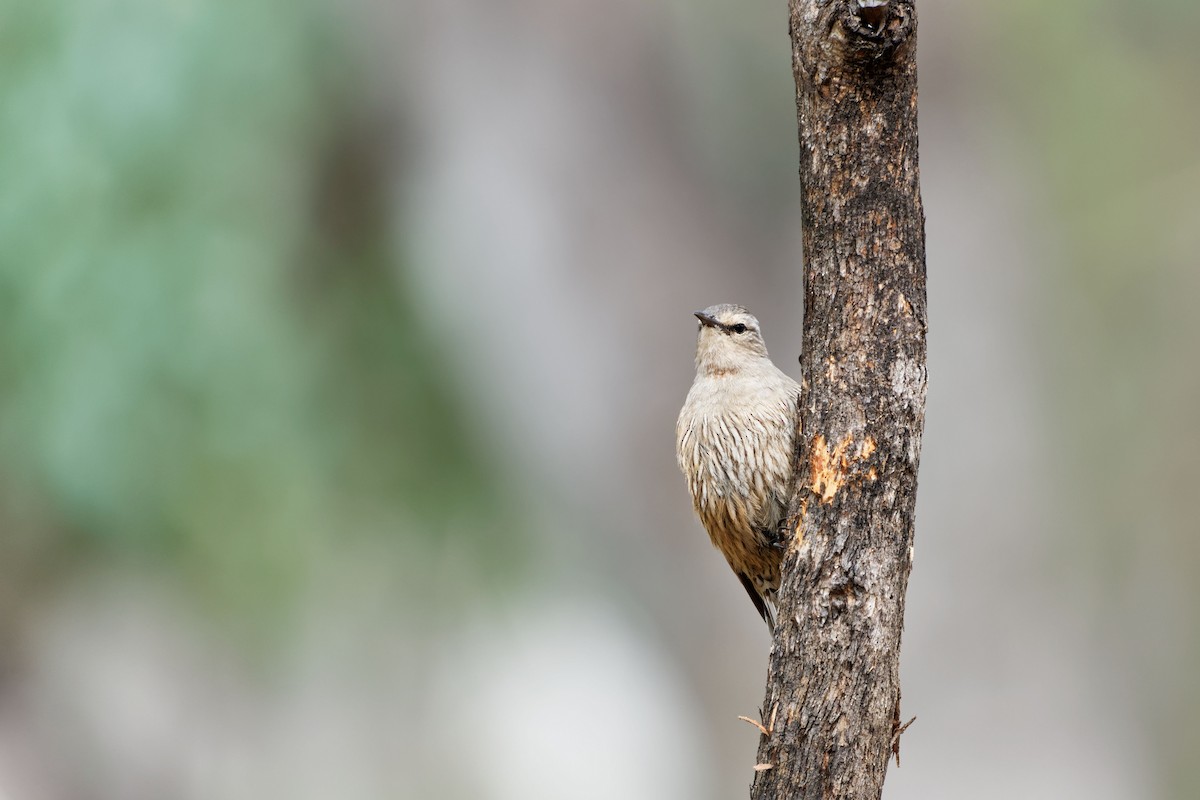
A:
[(340, 350)]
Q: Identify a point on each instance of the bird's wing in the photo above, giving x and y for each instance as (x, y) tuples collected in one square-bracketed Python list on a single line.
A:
[(765, 608)]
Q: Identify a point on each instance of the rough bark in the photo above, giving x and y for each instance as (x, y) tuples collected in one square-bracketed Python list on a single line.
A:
[(832, 707)]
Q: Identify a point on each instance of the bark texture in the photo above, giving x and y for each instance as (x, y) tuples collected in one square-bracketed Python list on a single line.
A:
[(832, 702)]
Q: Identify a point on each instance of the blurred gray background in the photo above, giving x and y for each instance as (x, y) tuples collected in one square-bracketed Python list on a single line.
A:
[(340, 351)]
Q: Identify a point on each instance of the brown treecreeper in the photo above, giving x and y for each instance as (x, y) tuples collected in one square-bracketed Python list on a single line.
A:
[(735, 440)]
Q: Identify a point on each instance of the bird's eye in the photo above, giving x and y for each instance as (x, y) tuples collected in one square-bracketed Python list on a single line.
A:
[(739, 328)]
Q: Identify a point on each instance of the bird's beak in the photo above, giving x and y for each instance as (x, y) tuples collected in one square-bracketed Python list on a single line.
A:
[(705, 319)]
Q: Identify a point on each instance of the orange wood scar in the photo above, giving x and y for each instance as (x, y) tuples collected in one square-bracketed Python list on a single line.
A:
[(830, 469)]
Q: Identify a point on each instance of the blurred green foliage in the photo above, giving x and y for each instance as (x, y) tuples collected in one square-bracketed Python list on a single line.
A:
[(207, 358), (1105, 94), (1102, 94)]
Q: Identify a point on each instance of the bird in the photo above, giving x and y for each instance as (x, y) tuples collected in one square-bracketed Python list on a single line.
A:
[(735, 440)]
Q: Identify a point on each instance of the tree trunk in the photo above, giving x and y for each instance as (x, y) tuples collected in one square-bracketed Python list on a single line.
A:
[(832, 707)]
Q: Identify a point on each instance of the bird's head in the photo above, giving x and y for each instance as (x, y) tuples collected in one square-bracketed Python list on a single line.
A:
[(729, 340)]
